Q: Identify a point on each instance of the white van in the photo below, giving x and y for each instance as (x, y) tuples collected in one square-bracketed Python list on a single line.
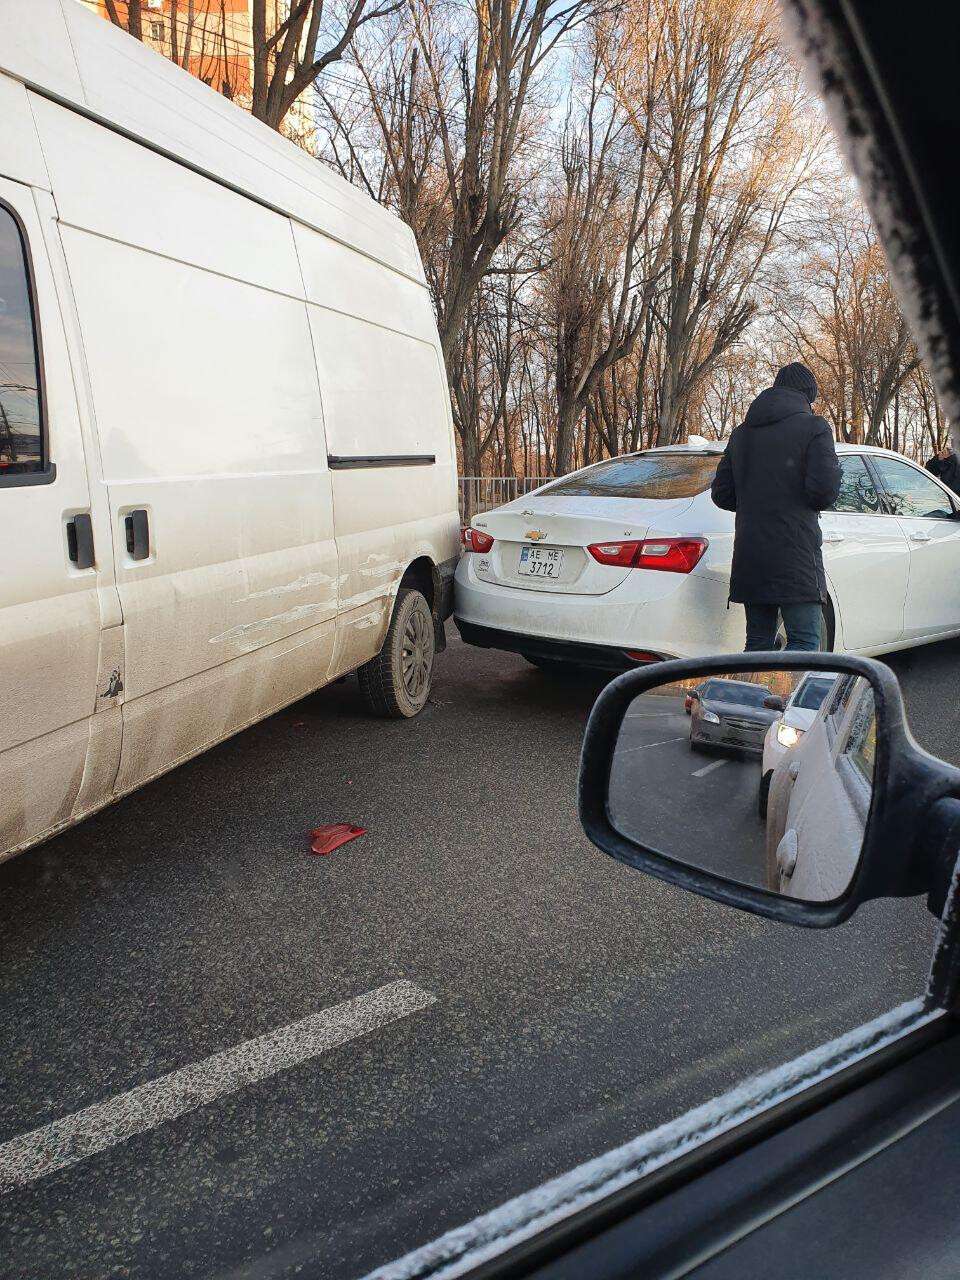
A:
[(227, 469)]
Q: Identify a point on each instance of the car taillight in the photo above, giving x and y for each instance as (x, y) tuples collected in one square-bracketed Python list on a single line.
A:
[(621, 553), (670, 555), (474, 540)]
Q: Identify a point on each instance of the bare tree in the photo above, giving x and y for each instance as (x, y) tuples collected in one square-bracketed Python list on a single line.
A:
[(471, 70), (290, 53), (733, 137), (599, 284), (847, 325)]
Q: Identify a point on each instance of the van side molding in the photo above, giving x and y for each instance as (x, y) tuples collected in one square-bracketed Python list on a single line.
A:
[(354, 461)]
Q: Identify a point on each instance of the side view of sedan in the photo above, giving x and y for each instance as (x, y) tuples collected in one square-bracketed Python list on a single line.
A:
[(819, 797), (628, 562), (731, 715)]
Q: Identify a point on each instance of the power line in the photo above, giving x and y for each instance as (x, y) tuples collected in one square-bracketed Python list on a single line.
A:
[(216, 56)]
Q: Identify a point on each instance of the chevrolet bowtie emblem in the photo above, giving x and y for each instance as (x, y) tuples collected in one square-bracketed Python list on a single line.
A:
[(535, 535)]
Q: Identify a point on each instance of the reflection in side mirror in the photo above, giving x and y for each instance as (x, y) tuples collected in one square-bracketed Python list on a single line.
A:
[(762, 778)]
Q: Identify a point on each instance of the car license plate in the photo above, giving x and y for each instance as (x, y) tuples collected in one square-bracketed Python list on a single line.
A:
[(540, 562)]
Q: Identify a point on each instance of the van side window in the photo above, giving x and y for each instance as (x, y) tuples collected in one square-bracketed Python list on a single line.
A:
[(21, 434)]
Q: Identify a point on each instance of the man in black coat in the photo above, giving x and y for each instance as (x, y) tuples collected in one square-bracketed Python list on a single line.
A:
[(779, 471), (945, 465)]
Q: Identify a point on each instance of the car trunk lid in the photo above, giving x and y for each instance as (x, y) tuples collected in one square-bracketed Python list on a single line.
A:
[(530, 531)]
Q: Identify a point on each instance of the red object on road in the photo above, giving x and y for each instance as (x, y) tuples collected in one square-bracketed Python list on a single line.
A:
[(332, 835)]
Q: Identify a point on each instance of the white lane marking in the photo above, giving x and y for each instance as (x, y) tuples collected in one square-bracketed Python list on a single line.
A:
[(626, 751), (101, 1126), (649, 715), (708, 768)]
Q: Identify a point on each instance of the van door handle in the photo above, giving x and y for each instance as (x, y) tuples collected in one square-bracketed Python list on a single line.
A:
[(832, 535), (920, 535), (80, 540), (137, 529)]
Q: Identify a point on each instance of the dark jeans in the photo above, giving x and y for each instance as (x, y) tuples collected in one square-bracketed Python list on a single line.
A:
[(801, 621)]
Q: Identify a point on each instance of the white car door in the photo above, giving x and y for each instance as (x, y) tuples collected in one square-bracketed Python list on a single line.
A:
[(928, 516), (867, 557), (50, 620)]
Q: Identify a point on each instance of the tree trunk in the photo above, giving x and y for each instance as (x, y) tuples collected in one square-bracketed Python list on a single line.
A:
[(567, 417)]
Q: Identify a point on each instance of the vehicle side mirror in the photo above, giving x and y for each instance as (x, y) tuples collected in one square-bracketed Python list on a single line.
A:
[(800, 824)]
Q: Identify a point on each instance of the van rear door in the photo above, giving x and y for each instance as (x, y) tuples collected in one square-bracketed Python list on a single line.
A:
[(50, 618)]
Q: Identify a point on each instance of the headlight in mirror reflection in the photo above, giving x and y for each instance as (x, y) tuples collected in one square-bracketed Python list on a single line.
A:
[(710, 717), (787, 736)]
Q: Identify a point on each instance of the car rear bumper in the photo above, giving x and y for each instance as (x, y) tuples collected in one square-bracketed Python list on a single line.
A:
[(683, 616), (602, 657)]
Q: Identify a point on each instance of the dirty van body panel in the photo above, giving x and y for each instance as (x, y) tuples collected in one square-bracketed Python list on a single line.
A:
[(387, 423), (204, 366), (50, 615), (211, 425), (211, 440)]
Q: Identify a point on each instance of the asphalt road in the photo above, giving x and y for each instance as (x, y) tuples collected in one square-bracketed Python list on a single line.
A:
[(542, 1002), (701, 807)]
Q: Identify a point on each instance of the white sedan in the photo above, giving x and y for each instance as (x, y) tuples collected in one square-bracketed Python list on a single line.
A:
[(799, 713), (820, 797), (628, 562)]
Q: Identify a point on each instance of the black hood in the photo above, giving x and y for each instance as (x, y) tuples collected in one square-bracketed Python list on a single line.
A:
[(774, 404)]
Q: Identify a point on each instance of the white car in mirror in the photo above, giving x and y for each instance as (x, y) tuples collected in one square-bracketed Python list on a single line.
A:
[(785, 733)]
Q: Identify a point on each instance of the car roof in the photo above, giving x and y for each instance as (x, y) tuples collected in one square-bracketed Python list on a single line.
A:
[(700, 448), (875, 449)]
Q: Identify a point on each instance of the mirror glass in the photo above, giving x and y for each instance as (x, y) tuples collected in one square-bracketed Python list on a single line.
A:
[(763, 777)]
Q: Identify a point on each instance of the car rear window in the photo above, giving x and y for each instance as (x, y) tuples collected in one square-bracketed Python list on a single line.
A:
[(645, 475)]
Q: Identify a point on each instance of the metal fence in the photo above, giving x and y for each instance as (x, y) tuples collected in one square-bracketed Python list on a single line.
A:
[(481, 493)]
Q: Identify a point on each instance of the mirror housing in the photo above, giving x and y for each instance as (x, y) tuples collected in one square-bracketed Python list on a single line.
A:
[(896, 861), (774, 703)]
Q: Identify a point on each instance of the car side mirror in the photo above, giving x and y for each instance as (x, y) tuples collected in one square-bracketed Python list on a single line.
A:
[(797, 824)]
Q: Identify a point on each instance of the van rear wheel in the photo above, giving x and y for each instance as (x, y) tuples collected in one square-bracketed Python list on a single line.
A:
[(396, 683)]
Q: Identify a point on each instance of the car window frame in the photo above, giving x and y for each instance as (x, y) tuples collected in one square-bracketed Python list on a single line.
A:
[(885, 496), (46, 473)]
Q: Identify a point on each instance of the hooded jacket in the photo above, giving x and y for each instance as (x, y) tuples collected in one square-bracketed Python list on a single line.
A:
[(947, 470), (778, 472)]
